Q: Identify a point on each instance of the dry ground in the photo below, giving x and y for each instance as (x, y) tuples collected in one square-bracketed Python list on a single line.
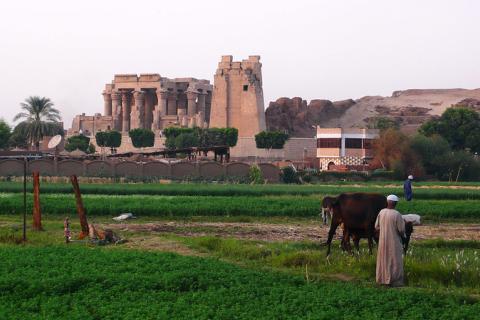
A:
[(284, 232)]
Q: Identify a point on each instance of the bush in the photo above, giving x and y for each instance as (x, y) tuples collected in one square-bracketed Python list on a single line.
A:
[(255, 175), (289, 175), (142, 138), (186, 140), (270, 139), (80, 142)]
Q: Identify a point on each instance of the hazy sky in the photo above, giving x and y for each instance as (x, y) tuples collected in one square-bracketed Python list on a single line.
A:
[(68, 50)]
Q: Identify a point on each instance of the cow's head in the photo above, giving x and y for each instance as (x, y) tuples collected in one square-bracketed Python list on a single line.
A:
[(408, 233), (327, 208)]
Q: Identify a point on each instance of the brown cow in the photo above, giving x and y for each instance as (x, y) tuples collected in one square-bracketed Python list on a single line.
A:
[(357, 212)]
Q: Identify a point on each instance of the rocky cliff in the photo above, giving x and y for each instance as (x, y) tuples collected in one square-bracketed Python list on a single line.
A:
[(409, 108)]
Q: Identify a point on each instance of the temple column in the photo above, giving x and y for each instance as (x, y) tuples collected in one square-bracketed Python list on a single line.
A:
[(160, 109), (181, 106), (116, 110), (107, 107), (138, 111), (125, 112), (162, 96), (201, 109), (148, 109), (172, 104), (192, 103)]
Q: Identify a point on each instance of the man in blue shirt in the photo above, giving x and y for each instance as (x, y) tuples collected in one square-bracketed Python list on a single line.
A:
[(407, 188)]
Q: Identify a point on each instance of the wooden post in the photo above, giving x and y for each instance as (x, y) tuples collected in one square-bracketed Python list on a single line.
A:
[(80, 208), (37, 211)]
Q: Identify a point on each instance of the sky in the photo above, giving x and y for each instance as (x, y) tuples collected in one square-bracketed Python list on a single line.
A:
[(68, 50)]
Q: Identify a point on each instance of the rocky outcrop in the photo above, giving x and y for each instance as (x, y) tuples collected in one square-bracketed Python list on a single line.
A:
[(298, 118), (409, 108)]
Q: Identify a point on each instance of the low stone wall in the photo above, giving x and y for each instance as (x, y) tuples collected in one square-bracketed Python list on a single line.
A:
[(207, 170)]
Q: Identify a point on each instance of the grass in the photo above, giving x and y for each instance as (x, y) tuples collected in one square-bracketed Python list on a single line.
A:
[(185, 206), (435, 264), (193, 189), (81, 283)]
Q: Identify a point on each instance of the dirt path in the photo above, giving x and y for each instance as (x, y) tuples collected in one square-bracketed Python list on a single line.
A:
[(285, 232)]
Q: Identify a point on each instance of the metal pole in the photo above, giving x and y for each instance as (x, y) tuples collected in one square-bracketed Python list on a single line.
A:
[(25, 199)]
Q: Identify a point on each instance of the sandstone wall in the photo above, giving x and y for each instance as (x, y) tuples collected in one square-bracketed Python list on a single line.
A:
[(294, 149), (207, 170)]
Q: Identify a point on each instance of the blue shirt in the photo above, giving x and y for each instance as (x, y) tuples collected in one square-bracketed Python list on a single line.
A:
[(407, 189)]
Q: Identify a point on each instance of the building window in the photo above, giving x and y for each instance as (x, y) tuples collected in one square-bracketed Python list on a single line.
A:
[(245, 87), (329, 143), (351, 143), (367, 143)]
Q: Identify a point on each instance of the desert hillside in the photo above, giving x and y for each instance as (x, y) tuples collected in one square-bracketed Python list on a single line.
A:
[(410, 108)]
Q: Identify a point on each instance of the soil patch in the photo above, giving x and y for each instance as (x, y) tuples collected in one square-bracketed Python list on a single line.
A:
[(285, 232)]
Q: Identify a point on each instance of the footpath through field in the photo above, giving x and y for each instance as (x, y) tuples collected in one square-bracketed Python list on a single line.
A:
[(285, 232)]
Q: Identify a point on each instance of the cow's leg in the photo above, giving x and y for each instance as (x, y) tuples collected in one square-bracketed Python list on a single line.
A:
[(331, 233), (346, 241), (356, 242), (324, 217), (370, 242)]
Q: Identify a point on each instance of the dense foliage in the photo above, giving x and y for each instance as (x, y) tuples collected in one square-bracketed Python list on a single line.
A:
[(290, 206), (17, 138), (459, 126), (39, 119), (289, 175), (5, 133), (195, 189), (181, 138), (255, 175), (423, 155), (79, 142), (142, 138), (80, 283), (271, 139), (109, 139)]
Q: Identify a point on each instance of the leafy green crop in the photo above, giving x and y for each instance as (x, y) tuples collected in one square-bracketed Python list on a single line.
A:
[(290, 206), (81, 283), (193, 189)]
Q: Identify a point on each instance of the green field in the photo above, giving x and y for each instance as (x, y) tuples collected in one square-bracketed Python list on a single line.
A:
[(81, 283), (225, 276), (423, 191), (183, 206)]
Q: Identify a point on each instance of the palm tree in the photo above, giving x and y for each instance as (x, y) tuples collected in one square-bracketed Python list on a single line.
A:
[(40, 119)]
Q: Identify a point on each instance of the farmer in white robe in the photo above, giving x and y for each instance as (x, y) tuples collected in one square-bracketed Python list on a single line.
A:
[(390, 246)]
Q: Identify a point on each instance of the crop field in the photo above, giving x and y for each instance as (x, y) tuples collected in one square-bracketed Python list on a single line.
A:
[(78, 283), (422, 191), (207, 251), (182, 206)]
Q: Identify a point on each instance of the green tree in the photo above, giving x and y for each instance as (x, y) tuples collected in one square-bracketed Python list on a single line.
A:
[(430, 150), (5, 134), (231, 136), (459, 126), (113, 140), (142, 138), (101, 138), (80, 142), (186, 140), (17, 138), (270, 139), (40, 119)]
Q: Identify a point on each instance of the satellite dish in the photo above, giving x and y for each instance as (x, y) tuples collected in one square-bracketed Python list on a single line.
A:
[(54, 142)]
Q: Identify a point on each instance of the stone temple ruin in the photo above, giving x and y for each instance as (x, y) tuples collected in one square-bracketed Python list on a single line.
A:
[(238, 96), (149, 101), (154, 102)]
